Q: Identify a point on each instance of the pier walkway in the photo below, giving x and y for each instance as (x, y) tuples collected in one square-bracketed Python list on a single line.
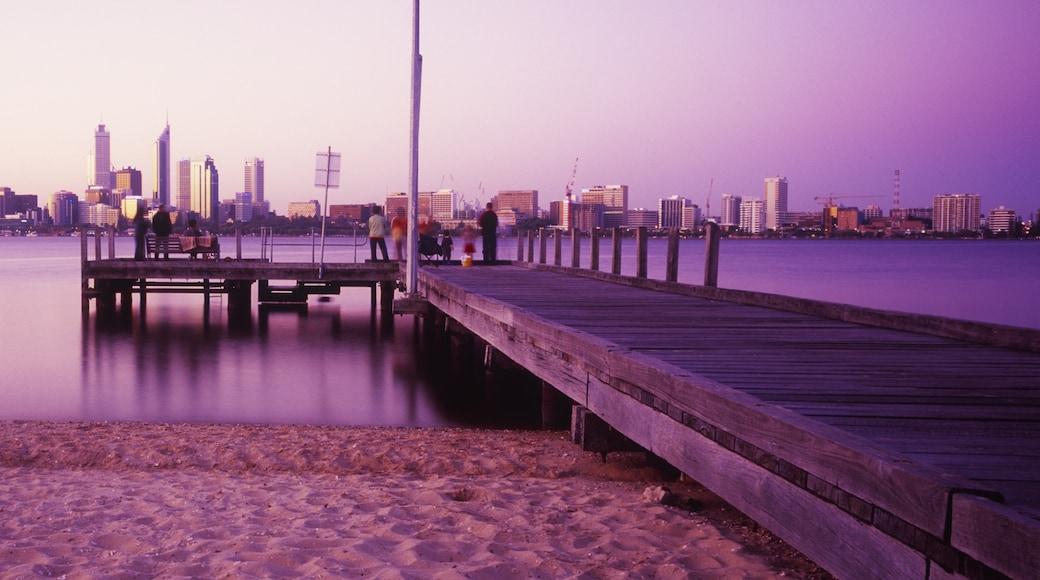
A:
[(880, 444)]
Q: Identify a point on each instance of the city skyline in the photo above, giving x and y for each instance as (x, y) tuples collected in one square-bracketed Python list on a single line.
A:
[(665, 98)]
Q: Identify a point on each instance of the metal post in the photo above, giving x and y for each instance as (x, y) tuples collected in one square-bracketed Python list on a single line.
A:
[(412, 278)]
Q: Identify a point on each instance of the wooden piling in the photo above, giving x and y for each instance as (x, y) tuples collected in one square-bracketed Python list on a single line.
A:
[(642, 241), (711, 256), (594, 238), (557, 247), (615, 262), (542, 239), (672, 259), (575, 248)]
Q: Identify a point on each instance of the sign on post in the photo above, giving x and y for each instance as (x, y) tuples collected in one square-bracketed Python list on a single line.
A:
[(326, 174)]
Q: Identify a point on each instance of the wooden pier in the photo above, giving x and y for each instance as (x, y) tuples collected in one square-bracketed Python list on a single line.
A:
[(278, 283), (880, 444)]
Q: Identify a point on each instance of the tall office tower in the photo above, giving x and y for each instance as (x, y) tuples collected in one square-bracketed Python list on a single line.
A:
[(161, 183), (613, 198), (776, 202), (524, 202), (670, 211), (184, 184), (254, 179), (101, 168), (730, 215), (442, 206), (7, 201), (205, 189), (752, 216), (129, 178), (956, 212)]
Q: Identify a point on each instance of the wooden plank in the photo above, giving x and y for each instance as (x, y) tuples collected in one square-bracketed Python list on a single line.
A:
[(1005, 538)]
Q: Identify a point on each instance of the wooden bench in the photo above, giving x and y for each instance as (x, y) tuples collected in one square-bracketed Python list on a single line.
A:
[(205, 246)]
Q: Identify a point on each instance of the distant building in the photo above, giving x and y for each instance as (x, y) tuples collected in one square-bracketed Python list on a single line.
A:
[(752, 216), (64, 208), (161, 182), (442, 206), (205, 189), (848, 218), (400, 200), (100, 169), (586, 216), (1002, 220), (243, 206), (130, 179), (253, 179), (670, 212), (184, 184), (691, 217), (956, 212), (522, 201), (729, 215), (872, 212), (613, 198), (99, 214), (775, 202), (304, 209), (643, 218), (354, 212)]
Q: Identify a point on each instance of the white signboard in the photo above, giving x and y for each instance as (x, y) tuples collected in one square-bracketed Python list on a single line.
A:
[(326, 169)]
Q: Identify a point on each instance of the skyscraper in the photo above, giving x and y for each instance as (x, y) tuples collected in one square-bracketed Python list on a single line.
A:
[(254, 179), (129, 178), (184, 184), (956, 212), (776, 202), (730, 214), (102, 159), (205, 189), (752, 216), (161, 184)]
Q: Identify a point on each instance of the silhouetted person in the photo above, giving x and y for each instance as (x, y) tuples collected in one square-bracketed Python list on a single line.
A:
[(377, 233), (489, 233), (140, 232), (163, 227)]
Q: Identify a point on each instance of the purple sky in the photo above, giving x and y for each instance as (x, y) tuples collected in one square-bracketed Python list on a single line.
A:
[(662, 95)]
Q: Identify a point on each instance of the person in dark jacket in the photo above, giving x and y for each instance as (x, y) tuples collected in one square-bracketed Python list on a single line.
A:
[(163, 227), (140, 231), (489, 232)]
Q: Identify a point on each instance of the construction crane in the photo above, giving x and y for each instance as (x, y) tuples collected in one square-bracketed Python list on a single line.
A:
[(570, 183)]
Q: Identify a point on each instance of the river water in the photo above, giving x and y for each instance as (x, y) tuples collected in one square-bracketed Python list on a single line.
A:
[(341, 365)]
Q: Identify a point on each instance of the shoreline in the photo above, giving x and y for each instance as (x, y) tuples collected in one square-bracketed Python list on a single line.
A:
[(208, 500)]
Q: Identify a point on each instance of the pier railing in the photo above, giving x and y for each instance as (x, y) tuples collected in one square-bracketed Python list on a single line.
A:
[(597, 235)]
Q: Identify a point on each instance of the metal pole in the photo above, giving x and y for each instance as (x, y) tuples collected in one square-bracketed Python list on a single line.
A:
[(412, 278), (324, 211)]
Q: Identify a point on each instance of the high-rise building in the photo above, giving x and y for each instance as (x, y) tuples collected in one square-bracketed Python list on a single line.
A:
[(130, 179), (254, 179), (442, 206), (613, 198), (730, 214), (956, 212), (522, 201), (1002, 220), (205, 189), (101, 170), (161, 183), (184, 184), (776, 202), (670, 211), (752, 216), (243, 207)]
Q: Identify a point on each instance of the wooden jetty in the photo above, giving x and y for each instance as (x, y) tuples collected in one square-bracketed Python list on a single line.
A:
[(278, 283), (880, 444)]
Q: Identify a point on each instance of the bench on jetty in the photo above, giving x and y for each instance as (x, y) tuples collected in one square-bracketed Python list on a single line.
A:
[(192, 246)]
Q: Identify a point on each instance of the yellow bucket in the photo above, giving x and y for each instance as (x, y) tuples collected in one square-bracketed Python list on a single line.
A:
[(467, 260)]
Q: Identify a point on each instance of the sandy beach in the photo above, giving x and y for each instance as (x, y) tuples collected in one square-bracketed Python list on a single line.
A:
[(83, 500)]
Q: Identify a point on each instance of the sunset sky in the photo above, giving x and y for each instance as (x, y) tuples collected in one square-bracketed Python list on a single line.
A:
[(663, 96)]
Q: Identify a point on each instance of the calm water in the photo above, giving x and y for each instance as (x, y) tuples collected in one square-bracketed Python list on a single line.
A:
[(339, 365)]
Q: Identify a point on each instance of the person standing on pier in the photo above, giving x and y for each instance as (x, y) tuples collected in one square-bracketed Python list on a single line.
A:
[(399, 231), (162, 225), (140, 231), (489, 233), (377, 233)]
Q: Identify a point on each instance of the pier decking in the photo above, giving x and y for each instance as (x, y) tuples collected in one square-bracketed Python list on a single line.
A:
[(877, 452)]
